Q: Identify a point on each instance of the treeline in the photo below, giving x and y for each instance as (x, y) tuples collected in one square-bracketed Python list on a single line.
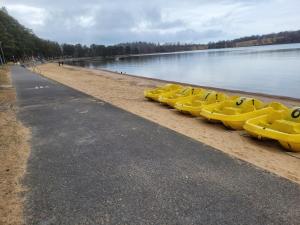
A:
[(146, 48), (286, 37), (19, 42), (94, 50)]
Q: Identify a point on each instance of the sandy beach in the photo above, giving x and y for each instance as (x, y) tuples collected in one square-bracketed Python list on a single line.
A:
[(126, 92)]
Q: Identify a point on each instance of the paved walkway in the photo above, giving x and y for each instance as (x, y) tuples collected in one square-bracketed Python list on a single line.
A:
[(93, 163)]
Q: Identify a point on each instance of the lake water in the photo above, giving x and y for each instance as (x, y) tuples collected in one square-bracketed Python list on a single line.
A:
[(273, 69)]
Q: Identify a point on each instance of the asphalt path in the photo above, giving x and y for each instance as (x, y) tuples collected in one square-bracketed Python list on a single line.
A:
[(93, 163)]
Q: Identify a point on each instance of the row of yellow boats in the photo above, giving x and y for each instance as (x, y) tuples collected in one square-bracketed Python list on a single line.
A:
[(262, 120)]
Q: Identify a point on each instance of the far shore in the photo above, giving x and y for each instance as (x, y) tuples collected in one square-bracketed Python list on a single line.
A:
[(126, 92), (164, 53)]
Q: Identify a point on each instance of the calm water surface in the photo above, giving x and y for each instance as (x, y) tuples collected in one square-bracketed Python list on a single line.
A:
[(273, 69)]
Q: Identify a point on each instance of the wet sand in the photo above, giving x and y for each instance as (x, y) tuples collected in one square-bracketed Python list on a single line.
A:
[(126, 92)]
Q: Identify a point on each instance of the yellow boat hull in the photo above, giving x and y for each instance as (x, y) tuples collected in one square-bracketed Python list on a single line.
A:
[(275, 126), (188, 109), (235, 117), (154, 94), (195, 104), (184, 94)]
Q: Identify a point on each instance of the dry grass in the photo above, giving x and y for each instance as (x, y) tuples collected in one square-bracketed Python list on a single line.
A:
[(14, 151)]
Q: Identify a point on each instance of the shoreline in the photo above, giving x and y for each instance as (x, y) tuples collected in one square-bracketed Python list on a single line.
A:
[(126, 92), (258, 94)]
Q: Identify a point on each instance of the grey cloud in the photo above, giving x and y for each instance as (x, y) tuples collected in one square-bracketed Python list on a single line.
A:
[(114, 21)]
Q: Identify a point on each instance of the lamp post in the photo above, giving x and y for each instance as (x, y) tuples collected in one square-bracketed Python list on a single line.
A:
[(2, 54)]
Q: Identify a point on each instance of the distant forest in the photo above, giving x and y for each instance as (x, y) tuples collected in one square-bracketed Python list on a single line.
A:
[(20, 43)]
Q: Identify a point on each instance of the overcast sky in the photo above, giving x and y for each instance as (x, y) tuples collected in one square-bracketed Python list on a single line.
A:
[(115, 21)]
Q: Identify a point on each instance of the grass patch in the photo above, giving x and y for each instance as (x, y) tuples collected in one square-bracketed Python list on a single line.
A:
[(14, 151), (4, 77)]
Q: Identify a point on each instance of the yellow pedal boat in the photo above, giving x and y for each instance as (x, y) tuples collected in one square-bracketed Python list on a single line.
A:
[(194, 104), (234, 113), (172, 97), (283, 127), (156, 92)]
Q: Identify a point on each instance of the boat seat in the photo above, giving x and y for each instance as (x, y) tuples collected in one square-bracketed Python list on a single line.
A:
[(167, 87), (156, 92), (290, 123), (207, 96), (286, 126), (189, 91), (231, 110), (241, 105), (179, 93), (194, 104), (282, 125)]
